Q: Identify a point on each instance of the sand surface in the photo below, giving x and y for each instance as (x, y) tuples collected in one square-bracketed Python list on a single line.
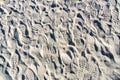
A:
[(59, 39)]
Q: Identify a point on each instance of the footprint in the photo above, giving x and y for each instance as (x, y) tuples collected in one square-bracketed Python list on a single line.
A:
[(14, 64), (82, 64), (29, 74), (80, 44), (87, 76), (92, 68), (52, 49), (74, 68), (81, 6), (65, 58), (42, 39)]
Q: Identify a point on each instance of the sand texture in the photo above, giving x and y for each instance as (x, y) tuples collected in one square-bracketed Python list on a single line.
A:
[(59, 39)]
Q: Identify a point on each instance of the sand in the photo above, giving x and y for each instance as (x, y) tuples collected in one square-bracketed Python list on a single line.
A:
[(59, 39)]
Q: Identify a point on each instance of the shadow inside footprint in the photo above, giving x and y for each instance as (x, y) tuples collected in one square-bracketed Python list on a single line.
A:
[(98, 24), (16, 34), (1, 10), (107, 53), (80, 16), (96, 47)]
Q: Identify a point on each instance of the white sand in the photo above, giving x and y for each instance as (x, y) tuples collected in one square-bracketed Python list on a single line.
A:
[(59, 39)]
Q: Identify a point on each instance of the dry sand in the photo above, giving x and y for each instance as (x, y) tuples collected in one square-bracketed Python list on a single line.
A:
[(59, 39)]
